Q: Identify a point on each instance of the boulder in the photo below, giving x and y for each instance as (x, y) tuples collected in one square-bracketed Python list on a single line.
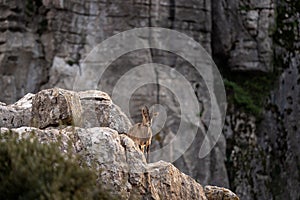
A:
[(55, 107), (213, 192), (17, 114), (99, 110)]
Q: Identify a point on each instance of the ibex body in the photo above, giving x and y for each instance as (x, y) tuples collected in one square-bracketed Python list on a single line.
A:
[(141, 133)]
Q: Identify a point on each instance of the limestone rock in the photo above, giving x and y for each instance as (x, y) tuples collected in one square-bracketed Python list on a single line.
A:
[(61, 33), (264, 156), (17, 114), (120, 162), (55, 107), (10, 93), (279, 131), (50, 39), (242, 34), (61, 74), (122, 165), (99, 110), (218, 193), (22, 65), (242, 139), (169, 183)]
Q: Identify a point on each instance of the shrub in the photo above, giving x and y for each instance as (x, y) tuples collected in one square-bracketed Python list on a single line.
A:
[(31, 170)]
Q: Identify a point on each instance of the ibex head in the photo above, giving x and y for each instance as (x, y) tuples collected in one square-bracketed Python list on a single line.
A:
[(148, 117)]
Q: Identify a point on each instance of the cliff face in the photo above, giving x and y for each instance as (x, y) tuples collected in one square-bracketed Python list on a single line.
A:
[(242, 34), (281, 117), (268, 140), (43, 42)]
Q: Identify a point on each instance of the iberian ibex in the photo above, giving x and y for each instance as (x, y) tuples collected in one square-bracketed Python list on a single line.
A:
[(141, 133)]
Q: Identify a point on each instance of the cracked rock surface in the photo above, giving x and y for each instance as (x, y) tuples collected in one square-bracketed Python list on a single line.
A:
[(122, 166)]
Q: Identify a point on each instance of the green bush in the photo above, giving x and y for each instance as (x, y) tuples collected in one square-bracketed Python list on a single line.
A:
[(249, 92), (241, 98), (31, 170)]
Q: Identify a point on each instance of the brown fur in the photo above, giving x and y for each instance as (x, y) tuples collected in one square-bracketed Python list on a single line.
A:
[(141, 133)]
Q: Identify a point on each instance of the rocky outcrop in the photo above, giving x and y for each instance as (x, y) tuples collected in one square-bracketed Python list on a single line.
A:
[(99, 110), (17, 114), (55, 107), (213, 192), (43, 42), (121, 165)]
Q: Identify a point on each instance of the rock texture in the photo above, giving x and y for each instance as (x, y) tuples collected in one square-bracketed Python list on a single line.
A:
[(56, 106), (99, 110), (246, 166), (43, 42), (281, 117), (271, 167), (242, 34), (122, 166), (61, 33), (213, 192), (18, 114), (23, 66)]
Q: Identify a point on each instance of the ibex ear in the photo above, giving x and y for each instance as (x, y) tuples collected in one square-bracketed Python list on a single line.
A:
[(145, 109)]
